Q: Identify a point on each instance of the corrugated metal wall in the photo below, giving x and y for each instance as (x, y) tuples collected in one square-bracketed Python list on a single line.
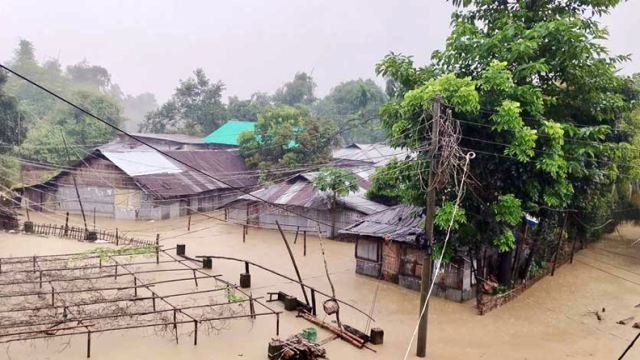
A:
[(264, 215), (99, 198)]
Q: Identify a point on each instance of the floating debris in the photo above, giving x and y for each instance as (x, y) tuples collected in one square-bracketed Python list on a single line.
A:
[(296, 347)]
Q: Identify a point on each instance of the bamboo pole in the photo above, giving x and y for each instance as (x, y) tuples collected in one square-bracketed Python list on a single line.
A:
[(293, 260)]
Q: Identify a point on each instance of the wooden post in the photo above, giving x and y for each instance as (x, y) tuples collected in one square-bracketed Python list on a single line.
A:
[(66, 225), (278, 324), (88, 343), (195, 278), (304, 239), (153, 297), (75, 184), (34, 262), (296, 239), (293, 260), (421, 350), (116, 278), (195, 332), (53, 297), (244, 233), (135, 287), (189, 224), (175, 324), (94, 218), (117, 238), (252, 310), (313, 302), (40, 279), (226, 214), (555, 258), (157, 249)]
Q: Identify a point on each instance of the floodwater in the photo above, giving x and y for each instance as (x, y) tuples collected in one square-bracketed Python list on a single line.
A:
[(550, 321)]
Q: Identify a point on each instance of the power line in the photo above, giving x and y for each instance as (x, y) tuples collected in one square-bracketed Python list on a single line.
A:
[(155, 148)]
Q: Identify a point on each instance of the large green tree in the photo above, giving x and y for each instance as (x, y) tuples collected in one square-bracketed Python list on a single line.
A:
[(196, 107), (248, 109), (12, 133), (540, 104), (44, 139), (298, 92), (354, 106), (137, 107), (287, 137)]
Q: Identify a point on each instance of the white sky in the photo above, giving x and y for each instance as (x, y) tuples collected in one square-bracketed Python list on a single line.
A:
[(249, 45)]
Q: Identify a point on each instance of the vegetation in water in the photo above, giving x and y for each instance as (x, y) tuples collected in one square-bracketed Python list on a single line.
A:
[(105, 252), (231, 296)]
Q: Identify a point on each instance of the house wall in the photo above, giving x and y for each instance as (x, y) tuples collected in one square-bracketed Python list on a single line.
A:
[(98, 199), (401, 263), (113, 193), (212, 200), (39, 199), (103, 188), (265, 215)]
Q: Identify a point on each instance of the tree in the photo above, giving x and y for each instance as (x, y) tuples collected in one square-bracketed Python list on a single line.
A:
[(248, 110), (300, 91), (338, 182), (137, 107), (195, 107), (287, 137), (44, 139), (12, 132), (540, 104), (354, 106), (35, 103), (83, 73), (395, 184)]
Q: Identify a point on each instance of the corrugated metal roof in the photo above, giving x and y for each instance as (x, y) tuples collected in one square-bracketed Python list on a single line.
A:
[(166, 178), (400, 223), (227, 134), (378, 154), (178, 138), (298, 191), (137, 163), (225, 165)]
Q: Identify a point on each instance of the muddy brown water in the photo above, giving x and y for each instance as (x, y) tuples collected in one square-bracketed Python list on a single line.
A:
[(550, 321)]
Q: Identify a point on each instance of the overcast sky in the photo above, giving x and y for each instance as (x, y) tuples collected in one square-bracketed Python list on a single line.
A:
[(249, 45)]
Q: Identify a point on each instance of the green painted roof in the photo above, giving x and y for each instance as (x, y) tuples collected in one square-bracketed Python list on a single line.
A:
[(227, 134)]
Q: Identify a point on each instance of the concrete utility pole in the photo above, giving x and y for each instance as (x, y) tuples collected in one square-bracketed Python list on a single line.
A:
[(427, 263)]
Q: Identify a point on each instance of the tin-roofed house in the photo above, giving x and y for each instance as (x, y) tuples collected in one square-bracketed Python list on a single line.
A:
[(297, 206), (389, 245), (144, 184)]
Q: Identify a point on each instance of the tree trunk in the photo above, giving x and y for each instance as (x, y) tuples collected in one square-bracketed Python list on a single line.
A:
[(333, 216), (530, 258), (505, 267)]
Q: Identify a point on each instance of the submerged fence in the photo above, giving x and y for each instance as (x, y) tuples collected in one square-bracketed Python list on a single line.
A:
[(79, 233)]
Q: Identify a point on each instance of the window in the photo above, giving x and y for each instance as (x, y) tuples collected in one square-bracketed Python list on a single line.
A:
[(367, 250)]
